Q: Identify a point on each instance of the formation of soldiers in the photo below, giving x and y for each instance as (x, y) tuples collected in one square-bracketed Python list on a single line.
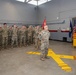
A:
[(14, 36)]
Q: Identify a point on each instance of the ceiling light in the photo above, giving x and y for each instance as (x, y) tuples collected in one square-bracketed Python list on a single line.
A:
[(37, 2), (49, 0), (34, 2), (21, 0)]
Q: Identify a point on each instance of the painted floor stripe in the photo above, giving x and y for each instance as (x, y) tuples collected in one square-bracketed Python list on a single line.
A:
[(66, 56), (57, 59)]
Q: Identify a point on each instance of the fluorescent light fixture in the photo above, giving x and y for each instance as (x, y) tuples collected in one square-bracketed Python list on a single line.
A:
[(38, 2), (49, 0), (34, 2), (42, 2), (21, 0)]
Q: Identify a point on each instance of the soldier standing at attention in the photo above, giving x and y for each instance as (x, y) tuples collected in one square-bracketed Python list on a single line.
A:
[(10, 36), (37, 41), (33, 32), (30, 35), (0, 37), (44, 37), (18, 35), (14, 36), (36, 36), (26, 36), (5, 36), (22, 36)]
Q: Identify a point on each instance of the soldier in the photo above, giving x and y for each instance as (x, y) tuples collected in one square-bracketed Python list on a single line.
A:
[(0, 37), (10, 35), (22, 36), (33, 33), (30, 35), (18, 35), (26, 36), (44, 37), (14, 35), (5, 36), (36, 36), (37, 41)]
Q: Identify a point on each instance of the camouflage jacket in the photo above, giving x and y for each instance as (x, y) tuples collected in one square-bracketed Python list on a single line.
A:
[(44, 36)]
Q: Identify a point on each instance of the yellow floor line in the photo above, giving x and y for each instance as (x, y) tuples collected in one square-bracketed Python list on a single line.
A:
[(57, 59), (35, 53), (66, 56)]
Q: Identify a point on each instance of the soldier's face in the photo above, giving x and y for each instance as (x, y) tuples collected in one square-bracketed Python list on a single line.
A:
[(30, 27), (45, 27), (10, 27), (37, 27), (23, 27), (15, 26), (5, 25)]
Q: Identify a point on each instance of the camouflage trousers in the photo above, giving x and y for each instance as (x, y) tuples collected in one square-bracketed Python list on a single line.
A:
[(37, 43), (14, 41), (0, 41), (9, 40), (32, 40), (44, 50), (18, 39), (22, 41), (29, 40), (4, 42)]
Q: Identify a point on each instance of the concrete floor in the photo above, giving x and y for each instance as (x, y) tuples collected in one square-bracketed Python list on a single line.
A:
[(16, 62)]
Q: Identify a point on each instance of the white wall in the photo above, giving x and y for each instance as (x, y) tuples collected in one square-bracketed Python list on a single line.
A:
[(13, 11), (64, 9)]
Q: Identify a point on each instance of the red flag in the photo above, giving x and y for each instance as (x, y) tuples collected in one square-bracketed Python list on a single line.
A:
[(44, 23)]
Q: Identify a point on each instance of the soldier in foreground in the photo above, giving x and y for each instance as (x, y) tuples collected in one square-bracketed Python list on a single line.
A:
[(44, 37)]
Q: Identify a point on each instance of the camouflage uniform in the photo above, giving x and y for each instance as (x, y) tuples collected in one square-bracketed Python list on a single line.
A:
[(37, 41), (30, 35), (14, 36), (10, 36), (0, 37), (18, 36), (44, 37), (36, 38), (33, 33), (22, 37), (26, 36), (5, 37)]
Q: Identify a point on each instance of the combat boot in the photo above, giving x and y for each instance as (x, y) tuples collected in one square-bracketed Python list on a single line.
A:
[(43, 59)]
